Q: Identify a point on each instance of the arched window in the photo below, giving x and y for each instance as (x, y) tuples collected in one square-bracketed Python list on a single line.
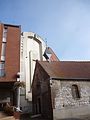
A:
[(75, 91)]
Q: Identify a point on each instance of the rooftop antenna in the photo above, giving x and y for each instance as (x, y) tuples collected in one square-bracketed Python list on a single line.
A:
[(46, 41)]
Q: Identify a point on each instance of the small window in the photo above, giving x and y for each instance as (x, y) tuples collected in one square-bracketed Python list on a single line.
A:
[(4, 34), (75, 92), (2, 69)]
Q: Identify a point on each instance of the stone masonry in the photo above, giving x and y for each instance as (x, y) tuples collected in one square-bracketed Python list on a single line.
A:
[(62, 94)]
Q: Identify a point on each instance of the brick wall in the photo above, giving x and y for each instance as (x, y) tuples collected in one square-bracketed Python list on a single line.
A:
[(12, 62)]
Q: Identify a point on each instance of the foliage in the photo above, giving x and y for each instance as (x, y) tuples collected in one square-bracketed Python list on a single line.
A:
[(19, 84), (8, 109)]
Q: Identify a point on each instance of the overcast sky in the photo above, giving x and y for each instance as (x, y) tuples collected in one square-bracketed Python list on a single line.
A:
[(64, 24)]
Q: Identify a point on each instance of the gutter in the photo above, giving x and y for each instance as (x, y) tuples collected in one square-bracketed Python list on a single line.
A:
[(61, 78)]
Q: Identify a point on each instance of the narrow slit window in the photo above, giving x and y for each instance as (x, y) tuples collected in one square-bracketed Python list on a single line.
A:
[(75, 92)]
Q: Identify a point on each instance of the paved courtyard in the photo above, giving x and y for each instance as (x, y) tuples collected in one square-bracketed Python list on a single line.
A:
[(27, 117), (85, 117), (3, 116)]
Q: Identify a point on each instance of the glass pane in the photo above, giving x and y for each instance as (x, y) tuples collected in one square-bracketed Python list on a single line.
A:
[(2, 70)]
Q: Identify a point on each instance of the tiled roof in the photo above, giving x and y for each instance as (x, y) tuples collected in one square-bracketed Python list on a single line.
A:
[(67, 69)]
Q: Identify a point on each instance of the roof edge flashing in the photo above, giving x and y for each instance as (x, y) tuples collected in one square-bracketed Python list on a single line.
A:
[(61, 78), (34, 36)]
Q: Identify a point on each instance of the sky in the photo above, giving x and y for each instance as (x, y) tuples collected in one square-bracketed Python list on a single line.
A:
[(64, 24)]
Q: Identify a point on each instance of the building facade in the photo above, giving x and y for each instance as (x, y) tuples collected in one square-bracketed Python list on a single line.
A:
[(9, 61), (61, 89), (33, 48), (18, 55)]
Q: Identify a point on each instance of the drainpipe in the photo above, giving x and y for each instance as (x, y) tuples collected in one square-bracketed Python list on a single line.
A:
[(18, 99), (50, 82), (18, 93)]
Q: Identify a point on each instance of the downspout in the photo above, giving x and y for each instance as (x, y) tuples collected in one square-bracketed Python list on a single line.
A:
[(18, 98), (18, 94)]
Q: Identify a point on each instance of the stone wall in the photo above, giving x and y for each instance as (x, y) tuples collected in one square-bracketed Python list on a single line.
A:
[(62, 94)]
